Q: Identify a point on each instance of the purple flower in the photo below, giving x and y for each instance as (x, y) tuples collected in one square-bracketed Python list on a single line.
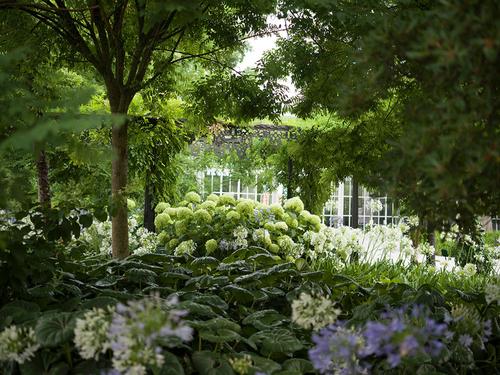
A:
[(487, 329), (465, 340), (409, 346), (336, 350), (393, 359)]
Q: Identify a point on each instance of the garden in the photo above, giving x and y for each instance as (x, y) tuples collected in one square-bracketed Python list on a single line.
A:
[(331, 209)]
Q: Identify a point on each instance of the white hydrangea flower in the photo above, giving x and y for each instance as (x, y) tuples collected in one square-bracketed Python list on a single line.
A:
[(240, 232), (314, 312), (375, 205), (469, 270), (261, 236), (492, 292), (91, 333), (17, 344)]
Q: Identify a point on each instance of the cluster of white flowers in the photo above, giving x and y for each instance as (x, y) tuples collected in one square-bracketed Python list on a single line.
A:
[(492, 292), (387, 243), (98, 237), (445, 263), (261, 236), (17, 344), (468, 270), (142, 241), (240, 235), (241, 365), (375, 206), (314, 311), (91, 333), (289, 247), (333, 242), (426, 249)]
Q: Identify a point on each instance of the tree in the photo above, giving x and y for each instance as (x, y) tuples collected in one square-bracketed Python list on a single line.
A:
[(420, 77), (132, 44)]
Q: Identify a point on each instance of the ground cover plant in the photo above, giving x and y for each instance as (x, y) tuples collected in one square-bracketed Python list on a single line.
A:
[(232, 308)]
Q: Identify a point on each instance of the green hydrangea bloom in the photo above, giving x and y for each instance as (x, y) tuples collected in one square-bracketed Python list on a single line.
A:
[(281, 225), (162, 221), (261, 236), (314, 220), (277, 210), (226, 199), (172, 244), (185, 247), (163, 238), (203, 216), (245, 207), (180, 227), (160, 207), (192, 197), (291, 222), (294, 204), (172, 211), (304, 215), (210, 246), (213, 198), (286, 244), (269, 226), (273, 248), (130, 204), (208, 205), (183, 203), (233, 216), (184, 213)]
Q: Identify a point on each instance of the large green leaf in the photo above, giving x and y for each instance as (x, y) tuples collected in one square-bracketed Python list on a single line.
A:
[(197, 309), (219, 336), (301, 366), (276, 341), (140, 275), (265, 319), (237, 293), (18, 312), (171, 366), (206, 281), (55, 329), (209, 363)]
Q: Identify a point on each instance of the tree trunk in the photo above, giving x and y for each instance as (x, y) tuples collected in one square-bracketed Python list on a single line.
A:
[(149, 213), (354, 203), (119, 103), (42, 168)]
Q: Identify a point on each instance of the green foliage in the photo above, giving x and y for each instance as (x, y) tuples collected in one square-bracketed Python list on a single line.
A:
[(238, 305), (408, 76)]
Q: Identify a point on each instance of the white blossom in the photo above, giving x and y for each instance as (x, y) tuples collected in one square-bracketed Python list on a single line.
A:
[(314, 312), (91, 333), (17, 344)]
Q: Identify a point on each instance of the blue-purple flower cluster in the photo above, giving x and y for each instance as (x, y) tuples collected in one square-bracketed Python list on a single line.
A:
[(337, 350), (399, 336), (140, 329)]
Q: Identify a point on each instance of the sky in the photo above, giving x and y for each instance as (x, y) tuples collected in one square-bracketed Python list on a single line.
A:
[(257, 47)]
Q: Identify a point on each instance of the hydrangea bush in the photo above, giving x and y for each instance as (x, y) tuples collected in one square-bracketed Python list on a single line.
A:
[(220, 225)]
